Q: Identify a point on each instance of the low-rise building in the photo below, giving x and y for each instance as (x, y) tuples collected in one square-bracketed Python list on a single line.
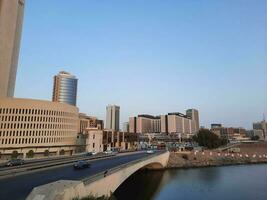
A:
[(229, 133), (259, 133), (103, 140), (259, 127), (86, 121)]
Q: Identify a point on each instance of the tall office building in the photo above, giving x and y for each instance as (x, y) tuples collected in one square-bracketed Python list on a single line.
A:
[(193, 114), (113, 117), (11, 17), (65, 88)]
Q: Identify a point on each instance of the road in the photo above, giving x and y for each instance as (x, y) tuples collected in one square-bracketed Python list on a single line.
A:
[(17, 188)]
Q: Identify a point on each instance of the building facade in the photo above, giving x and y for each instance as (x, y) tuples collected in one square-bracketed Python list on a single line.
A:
[(193, 114), (113, 117), (65, 88), (172, 123), (261, 126), (11, 18), (86, 122), (148, 124), (125, 127), (103, 140), (37, 126), (229, 133), (186, 125)]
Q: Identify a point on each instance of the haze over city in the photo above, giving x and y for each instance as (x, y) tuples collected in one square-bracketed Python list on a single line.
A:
[(150, 56), (136, 100)]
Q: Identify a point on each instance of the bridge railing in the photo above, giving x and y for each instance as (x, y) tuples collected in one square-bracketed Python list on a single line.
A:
[(105, 173)]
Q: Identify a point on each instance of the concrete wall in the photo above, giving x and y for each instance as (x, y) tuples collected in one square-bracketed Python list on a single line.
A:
[(99, 185)]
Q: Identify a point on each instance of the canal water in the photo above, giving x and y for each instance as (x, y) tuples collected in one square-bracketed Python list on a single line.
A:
[(246, 182)]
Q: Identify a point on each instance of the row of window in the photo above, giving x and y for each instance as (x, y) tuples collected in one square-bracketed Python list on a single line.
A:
[(31, 140), (35, 112), (36, 126), (35, 119), (36, 133)]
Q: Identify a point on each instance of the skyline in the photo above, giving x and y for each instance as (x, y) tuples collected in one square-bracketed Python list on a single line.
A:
[(157, 46)]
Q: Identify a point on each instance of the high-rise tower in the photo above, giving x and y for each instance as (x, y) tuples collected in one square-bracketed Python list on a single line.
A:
[(193, 114), (113, 117), (11, 17), (65, 88)]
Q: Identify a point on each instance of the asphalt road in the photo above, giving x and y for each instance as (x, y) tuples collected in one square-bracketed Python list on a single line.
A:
[(17, 188)]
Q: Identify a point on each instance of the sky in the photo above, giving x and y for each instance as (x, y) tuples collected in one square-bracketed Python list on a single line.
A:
[(150, 57)]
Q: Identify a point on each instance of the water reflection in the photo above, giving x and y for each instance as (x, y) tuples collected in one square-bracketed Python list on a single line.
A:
[(231, 183), (141, 185)]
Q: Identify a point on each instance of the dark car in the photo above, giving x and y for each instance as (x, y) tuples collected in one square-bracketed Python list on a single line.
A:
[(81, 164), (14, 162)]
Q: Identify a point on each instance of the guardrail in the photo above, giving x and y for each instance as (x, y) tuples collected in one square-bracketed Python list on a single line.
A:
[(104, 173)]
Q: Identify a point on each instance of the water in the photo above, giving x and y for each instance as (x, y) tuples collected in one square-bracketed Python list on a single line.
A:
[(218, 183)]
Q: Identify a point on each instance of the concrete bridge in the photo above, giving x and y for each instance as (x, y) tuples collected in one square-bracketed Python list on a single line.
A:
[(101, 184)]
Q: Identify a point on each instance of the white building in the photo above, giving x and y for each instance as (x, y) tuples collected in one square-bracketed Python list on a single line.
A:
[(113, 117)]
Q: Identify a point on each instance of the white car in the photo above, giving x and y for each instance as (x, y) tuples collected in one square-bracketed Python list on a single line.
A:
[(108, 152), (149, 151), (94, 153)]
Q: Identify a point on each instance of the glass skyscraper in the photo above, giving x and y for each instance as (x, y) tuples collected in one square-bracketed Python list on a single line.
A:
[(65, 88)]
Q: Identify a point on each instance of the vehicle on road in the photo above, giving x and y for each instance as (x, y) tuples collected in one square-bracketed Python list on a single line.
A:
[(149, 151), (81, 164), (91, 153), (15, 162), (108, 152)]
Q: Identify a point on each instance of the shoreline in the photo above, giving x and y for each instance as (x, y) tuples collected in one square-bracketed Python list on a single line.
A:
[(190, 160), (211, 166)]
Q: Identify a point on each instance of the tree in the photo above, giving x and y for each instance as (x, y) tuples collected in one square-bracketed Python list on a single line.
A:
[(208, 139), (30, 154), (255, 137), (14, 154), (46, 153), (62, 152)]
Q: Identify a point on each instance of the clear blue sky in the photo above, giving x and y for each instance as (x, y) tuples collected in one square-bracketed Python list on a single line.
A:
[(151, 56)]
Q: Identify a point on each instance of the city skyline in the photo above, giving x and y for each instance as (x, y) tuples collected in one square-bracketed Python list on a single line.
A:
[(142, 70)]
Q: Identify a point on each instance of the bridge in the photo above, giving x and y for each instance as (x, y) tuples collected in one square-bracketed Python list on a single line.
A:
[(101, 184), (17, 183)]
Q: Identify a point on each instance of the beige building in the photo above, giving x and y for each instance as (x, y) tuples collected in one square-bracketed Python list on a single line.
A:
[(173, 123), (38, 126), (11, 17), (94, 140), (145, 124), (86, 122), (229, 133), (194, 116), (102, 140), (261, 126), (176, 122)]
